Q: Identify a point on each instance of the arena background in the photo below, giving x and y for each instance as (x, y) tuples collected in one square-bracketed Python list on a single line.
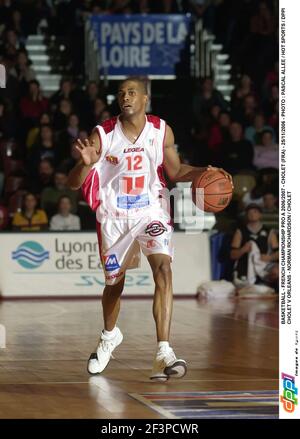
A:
[(217, 86)]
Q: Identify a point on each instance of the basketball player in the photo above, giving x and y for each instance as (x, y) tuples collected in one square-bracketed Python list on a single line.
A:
[(121, 175)]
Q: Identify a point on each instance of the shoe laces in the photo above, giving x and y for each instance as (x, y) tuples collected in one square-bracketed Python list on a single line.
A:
[(166, 353), (107, 345)]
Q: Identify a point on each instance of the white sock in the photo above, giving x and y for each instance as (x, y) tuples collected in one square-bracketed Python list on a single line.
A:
[(163, 345), (110, 334)]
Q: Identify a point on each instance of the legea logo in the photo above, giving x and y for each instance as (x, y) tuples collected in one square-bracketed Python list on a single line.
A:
[(30, 255), (290, 391)]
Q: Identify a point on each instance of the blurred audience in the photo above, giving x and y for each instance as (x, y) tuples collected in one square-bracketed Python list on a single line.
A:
[(64, 219), (266, 155), (30, 218), (51, 194), (255, 250)]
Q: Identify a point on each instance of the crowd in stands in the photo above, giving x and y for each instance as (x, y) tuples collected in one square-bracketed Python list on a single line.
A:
[(37, 132)]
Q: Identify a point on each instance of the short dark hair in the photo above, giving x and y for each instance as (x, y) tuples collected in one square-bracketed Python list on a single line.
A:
[(267, 131), (62, 197), (34, 81), (139, 79), (253, 206)]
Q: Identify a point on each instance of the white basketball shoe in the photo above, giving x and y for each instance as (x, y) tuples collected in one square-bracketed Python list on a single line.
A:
[(99, 360), (166, 365)]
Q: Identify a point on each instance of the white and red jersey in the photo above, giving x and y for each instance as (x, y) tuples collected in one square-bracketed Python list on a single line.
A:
[(127, 179)]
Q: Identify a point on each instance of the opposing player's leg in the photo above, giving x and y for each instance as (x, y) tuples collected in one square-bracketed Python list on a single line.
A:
[(111, 336), (165, 364)]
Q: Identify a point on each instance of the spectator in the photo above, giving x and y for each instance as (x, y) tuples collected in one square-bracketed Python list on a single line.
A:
[(67, 137), (64, 219), (262, 38), (44, 148), (270, 210), (207, 98), (244, 88), (254, 132), (99, 107), (33, 105), (250, 108), (67, 164), (266, 155), (7, 120), (23, 71), (254, 249), (30, 219), (237, 152), (11, 47), (61, 115), (218, 134), (274, 120), (270, 203), (33, 133), (271, 101), (51, 195), (44, 178), (17, 24), (65, 92)]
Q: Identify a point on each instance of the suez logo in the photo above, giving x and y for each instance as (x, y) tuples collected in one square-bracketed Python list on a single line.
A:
[(142, 279), (288, 399)]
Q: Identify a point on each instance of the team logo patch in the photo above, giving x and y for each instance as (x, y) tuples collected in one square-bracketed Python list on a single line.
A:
[(111, 262), (155, 228), (112, 159)]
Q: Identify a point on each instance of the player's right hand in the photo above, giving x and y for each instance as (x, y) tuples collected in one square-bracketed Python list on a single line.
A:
[(88, 151)]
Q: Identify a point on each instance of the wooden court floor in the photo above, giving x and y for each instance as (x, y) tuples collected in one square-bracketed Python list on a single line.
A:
[(228, 345)]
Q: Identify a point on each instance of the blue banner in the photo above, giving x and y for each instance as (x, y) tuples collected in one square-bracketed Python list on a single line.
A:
[(147, 45)]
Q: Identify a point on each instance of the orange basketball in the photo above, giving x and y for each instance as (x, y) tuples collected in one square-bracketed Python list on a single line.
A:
[(216, 194)]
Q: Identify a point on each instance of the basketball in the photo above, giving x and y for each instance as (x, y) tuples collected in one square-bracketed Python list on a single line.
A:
[(217, 191)]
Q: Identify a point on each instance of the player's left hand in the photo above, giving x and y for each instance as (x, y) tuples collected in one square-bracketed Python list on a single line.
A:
[(225, 173)]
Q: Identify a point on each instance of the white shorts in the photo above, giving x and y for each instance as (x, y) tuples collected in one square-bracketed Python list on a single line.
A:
[(120, 242)]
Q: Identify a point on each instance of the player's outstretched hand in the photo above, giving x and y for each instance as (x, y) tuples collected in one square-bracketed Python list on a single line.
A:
[(89, 153), (225, 173)]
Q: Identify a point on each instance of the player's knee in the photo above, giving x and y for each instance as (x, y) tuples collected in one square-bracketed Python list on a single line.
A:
[(115, 289), (162, 274)]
